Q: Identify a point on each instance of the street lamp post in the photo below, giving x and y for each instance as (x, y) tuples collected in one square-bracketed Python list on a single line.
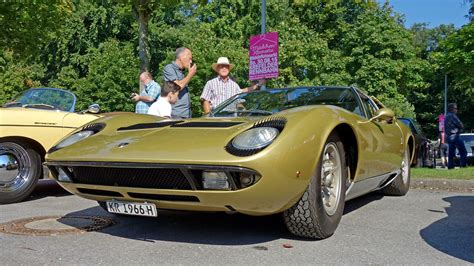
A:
[(445, 93)]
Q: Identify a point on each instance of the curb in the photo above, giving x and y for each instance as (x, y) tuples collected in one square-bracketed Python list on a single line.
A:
[(443, 184)]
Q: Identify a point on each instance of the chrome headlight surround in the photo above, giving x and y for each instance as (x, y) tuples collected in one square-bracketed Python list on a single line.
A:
[(256, 138), (78, 135)]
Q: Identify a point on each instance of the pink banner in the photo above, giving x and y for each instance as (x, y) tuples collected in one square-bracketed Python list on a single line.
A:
[(263, 56), (441, 122)]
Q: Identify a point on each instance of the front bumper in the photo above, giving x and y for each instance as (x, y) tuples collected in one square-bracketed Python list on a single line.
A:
[(276, 190)]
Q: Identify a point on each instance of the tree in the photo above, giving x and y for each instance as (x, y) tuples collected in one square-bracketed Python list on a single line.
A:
[(25, 26), (429, 102), (383, 60), (17, 76), (457, 59)]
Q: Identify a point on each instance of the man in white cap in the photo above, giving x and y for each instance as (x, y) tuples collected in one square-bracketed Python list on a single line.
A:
[(221, 88)]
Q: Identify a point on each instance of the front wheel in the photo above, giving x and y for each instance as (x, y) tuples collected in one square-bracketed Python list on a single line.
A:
[(318, 213), (20, 169)]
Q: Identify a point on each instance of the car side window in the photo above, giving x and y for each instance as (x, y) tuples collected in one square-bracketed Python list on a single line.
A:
[(347, 100), (369, 106)]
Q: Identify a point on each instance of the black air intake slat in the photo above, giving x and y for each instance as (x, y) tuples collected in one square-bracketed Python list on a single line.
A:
[(100, 192), (208, 124), (150, 125), (163, 197), (159, 178)]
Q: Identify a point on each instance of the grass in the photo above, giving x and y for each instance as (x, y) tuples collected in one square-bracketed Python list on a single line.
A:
[(457, 173)]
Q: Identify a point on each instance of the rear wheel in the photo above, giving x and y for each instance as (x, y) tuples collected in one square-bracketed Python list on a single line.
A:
[(318, 213), (20, 169), (401, 184)]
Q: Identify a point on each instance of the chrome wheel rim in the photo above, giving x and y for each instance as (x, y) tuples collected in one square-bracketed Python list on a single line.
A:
[(15, 167), (405, 167), (331, 176)]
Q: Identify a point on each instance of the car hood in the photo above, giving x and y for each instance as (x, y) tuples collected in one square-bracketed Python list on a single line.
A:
[(144, 138), (153, 139)]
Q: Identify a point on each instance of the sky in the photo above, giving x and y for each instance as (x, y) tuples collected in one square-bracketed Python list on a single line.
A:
[(433, 12)]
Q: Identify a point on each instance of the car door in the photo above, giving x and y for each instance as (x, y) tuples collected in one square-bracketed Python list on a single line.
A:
[(381, 142)]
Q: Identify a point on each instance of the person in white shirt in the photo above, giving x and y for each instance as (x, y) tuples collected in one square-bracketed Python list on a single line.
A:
[(169, 96), (222, 87)]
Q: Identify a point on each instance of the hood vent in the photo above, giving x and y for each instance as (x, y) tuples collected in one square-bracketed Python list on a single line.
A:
[(179, 123), (208, 124), (150, 125)]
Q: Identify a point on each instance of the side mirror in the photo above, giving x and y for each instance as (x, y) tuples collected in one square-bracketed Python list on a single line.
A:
[(93, 109), (385, 114)]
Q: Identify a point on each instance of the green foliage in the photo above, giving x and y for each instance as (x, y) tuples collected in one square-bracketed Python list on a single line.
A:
[(466, 173), (17, 76), (112, 74), (383, 60), (456, 57), (92, 48), (25, 26)]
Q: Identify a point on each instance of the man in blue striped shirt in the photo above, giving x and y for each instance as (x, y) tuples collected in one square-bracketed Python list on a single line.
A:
[(150, 93), (221, 88)]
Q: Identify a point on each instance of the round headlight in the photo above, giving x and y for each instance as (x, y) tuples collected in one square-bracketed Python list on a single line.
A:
[(74, 138), (255, 138)]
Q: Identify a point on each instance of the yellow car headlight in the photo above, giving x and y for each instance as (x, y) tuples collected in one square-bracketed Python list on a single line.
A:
[(85, 132), (255, 138), (74, 138)]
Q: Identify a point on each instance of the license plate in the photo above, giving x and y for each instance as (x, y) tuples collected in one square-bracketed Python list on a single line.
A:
[(132, 208)]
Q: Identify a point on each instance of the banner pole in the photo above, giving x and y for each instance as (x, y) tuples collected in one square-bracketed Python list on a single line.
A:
[(264, 28)]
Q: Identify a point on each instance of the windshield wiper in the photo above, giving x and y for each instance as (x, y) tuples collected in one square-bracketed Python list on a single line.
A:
[(13, 104), (252, 111)]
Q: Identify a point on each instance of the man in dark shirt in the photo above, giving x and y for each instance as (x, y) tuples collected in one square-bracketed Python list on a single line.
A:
[(452, 128), (174, 72)]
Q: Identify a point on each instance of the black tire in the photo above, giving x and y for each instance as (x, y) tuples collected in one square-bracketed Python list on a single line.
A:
[(19, 181), (309, 217), (401, 184)]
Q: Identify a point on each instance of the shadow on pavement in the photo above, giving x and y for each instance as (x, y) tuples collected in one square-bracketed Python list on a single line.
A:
[(47, 188), (359, 202), (453, 235), (205, 228)]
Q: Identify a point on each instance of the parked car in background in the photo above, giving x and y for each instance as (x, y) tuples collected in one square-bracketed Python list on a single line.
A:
[(300, 151), (468, 139), (29, 126), (424, 150)]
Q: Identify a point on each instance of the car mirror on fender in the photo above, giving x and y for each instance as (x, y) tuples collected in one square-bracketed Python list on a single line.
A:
[(93, 109), (383, 114)]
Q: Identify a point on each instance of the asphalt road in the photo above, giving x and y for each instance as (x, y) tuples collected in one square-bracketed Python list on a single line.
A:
[(424, 227)]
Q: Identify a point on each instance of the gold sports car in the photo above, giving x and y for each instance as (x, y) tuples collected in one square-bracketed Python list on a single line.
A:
[(301, 152), (29, 126)]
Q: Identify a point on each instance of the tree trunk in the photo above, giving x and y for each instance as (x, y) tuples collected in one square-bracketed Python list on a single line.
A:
[(143, 10)]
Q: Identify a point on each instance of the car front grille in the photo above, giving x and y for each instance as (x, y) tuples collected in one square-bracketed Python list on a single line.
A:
[(145, 175), (157, 178)]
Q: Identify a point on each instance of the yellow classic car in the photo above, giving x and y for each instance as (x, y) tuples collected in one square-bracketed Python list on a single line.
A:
[(29, 126), (300, 151)]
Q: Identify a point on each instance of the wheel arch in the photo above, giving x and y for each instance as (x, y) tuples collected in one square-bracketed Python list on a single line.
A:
[(349, 141), (31, 142), (411, 146)]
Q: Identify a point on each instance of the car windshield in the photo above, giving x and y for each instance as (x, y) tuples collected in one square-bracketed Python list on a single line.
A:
[(271, 101), (45, 98)]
